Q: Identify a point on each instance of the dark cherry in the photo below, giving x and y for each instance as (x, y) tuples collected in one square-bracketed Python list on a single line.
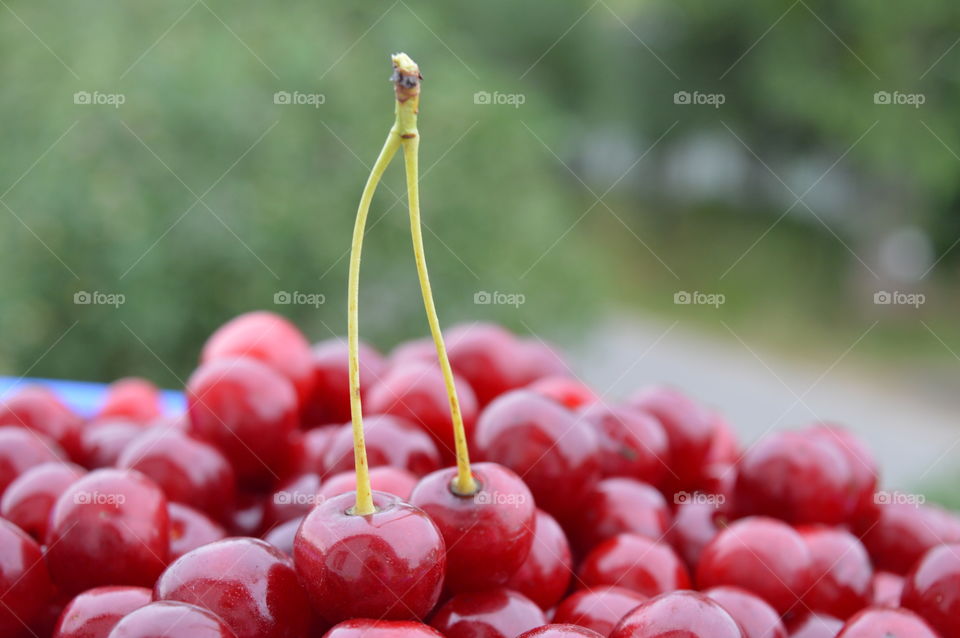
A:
[(560, 631), (270, 339), (816, 626), (22, 449), (248, 583), (96, 611), (553, 452), (102, 442), (932, 589), (364, 628), (187, 470), (111, 527), (886, 589), (881, 622), (25, 588), (565, 390), (632, 442), (544, 576), (486, 356), (386, 565), (757, 618), (293, 498), (496, 613), (133, 399), (39, 409), (390, 440), (190, 529), (330, 400), (391, 480), (248, 411), (618, 505), (695, 524), (599, 609), (897, 534), (282, 535), (841, 572), (310, 449), (634, 562), (679, 614), (167, 619), (28, 500), (488, 535), (763, 556)]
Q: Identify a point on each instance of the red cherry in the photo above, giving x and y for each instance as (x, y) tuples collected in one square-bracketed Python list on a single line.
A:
[(190, 529), (544, 576), (886, 589), (282, 535), (618, 505), (247, 516), (111, 527), (757, 619), (635, 562), (553, 452), (497, 613), (536, 360), (248, 583), (599, 609), (816, 626), (102, 442), (841, 572), (724, 450), (330, 400), (681, 613), (363, 628), (133, 399), (559, 631), (695, 524), (387, 565), (485, 355), (568, 392), (632, 442), (761, 555), (863, 467), (166, 619), (897, 534), (390, 440), (881, 622), (488, 535), (28, 500), (414, 351), (246, 410), (932, 589), (391, 480), (94, 613), (38, 409), (294, 498), (25, 587), (187, 470), (22, 449), (310, 449), (270, 339)]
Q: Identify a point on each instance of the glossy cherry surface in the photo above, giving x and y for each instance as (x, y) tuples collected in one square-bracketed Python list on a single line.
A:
[(695, 524), (886, 589), (282, 536), (634, 562), (102, 442), (329, 401), (247, 516), (757, 618), (25, 587), (566, 391), (678, 614), (881, 622), (388, 565), (932, 589), (544, 576), (167, 619), (133, 399), (863, 467), (96, 611), (619, 505), (497, 613), (111, 527), (599, 608), (310, 449), (391, 480), (190, 529), (841, 572), (293, 498), (485, 355), (364, 628), (28, 500), (248, 583), (897, 534), (556, 454), (632, 442), (560, 631), (488, 534), (40, 410), (816, 626), (390, 440), (22, 449)]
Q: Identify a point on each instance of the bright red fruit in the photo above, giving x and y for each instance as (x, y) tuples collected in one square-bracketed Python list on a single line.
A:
[(293, 498), (863, 467), (685, 614), (282, 535), (111, 527), (102, 442), (28, 500), (310, 449), (537, 359), (887, 623), (248, 583), (133, 399), (565, 390), (897, 534), (497, 613), (632, 442), (22, 449), (695, 524), (94, 613), (40, 410), (841, 572), (757, 619), (330, 400), (387, 565), (932, 589), (190, 529), (886, 589), (560, 631), (363, 628), (544, 576), (247, 516), (391, 480), (486, 356), (618, 505), (167, 619), (816, 626), (25, 587), (390, 440), (599, 609), (634, 562)]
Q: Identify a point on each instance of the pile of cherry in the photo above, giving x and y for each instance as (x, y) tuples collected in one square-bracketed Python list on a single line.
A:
[(639, 519)]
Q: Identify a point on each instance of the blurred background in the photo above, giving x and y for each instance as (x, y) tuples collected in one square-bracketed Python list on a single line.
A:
[(755, 201)]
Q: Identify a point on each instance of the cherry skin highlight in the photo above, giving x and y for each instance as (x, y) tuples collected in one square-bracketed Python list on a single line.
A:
[(167, 619), (364, 628), (863, 467), (695, 524), (310, 450), (40, 410), (632, 442), (390, 440), (618, 505), (887, 623), (22, 449), (678, 614), (133, 399), (841, 570), (886, 589), (897, 534), (330, 400), (28, 500), (190, 529), (496, 613), (599, 608), (634, 562), (391, 480), (816, 626), (25, 587), (560, 631), (102, 442), (568, 392), (757, 618), (96, 611), (544, 576), (282, 536), (485, 355), (932, 589), (293, 498)]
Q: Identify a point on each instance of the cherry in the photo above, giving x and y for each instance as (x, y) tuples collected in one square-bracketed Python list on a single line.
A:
[(390, 440), (552, 451), (544, 576), (363, 628), (166, 619), (94, 613), (111, 527), (881, 622), (189, 471), (388, 564), (681, 613), (724, 450), (841, 572), (496, 613), (246, 410), (25, 587), (39, 409), (248, 514), (761, 555), (28, 500), (618, 505), (22, 449), (537, 359), (330, 400), (757, 619), (886, 589), (133, 399), (270, 339), (568, 392), (695, 524), (102, 442), (293, 499), (248, 583), (634, 562), (897, 534), (816, 626), (421, 350), (863, 467), (391, 480), (559, 631), (310, 449), (190, 529), (632, 442), (932, 589), (599, 609), (282, 535), (485, 355)]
